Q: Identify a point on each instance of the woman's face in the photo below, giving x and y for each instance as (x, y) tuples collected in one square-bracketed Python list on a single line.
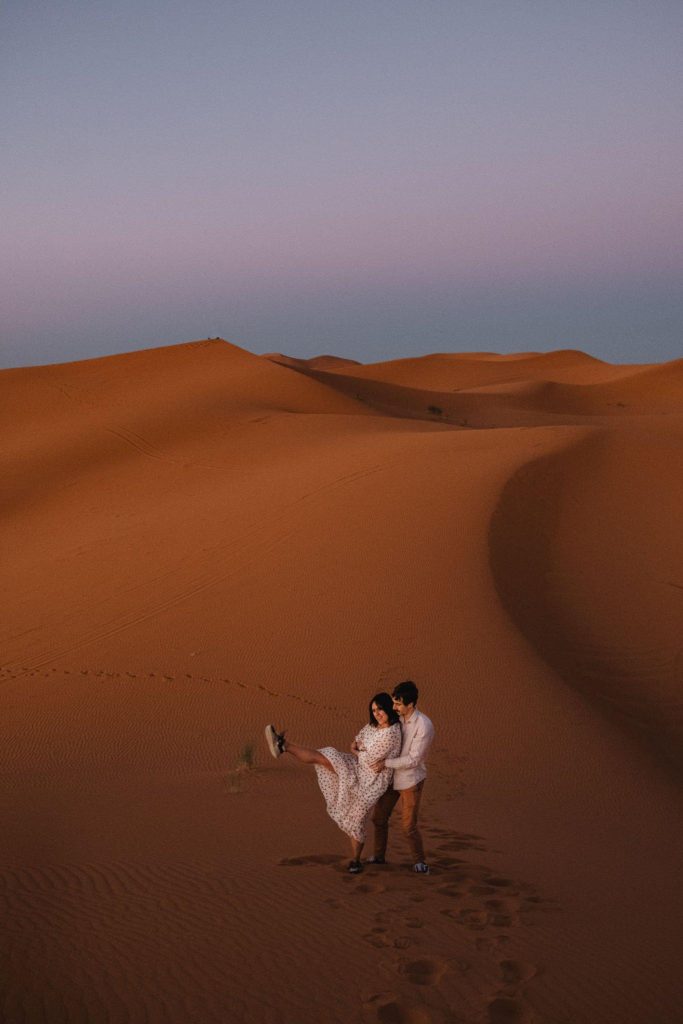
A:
[(381, 717)]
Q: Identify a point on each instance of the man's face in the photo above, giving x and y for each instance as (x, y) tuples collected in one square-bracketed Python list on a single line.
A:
[(401, 708)]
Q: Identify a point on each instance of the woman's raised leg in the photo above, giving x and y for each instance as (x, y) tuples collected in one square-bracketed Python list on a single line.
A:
[(306, 755)]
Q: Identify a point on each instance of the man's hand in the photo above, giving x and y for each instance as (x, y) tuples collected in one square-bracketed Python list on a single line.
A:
[(378, 766)]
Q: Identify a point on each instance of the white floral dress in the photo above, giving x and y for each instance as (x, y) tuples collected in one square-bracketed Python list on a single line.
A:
[(353, 788)]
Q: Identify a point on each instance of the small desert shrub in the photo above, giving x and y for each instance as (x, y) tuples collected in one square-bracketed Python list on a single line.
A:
[(247, 757), (246, 761)]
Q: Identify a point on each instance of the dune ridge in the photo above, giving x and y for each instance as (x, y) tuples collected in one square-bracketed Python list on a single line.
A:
[(552, 388), (568, 572), (199, 540)]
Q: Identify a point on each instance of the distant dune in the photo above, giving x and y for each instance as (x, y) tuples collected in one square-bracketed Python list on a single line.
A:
[(197, 541), (529, 390)]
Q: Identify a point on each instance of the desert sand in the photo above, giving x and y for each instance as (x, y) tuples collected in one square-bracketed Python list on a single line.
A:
[(196, 541)]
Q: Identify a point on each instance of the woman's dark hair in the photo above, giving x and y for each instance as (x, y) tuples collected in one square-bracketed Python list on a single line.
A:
[(383, 701), (406, 692)]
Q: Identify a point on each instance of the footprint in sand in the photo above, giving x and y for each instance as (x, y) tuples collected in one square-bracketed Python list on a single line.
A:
[(424, 971), (508, 1007), (501, 906), (404, 942), (386, 1008), (473, 918), (378, 938), (517, 972), (386, 918), (506, 1010), (502, 913)]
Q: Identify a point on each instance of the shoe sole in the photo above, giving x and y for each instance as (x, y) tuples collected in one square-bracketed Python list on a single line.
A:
[(271, 740)]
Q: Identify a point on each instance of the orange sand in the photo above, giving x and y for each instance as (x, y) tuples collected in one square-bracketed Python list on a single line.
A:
[(198, 540)]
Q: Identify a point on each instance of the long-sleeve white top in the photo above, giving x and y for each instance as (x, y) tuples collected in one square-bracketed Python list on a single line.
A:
[(409, 766)]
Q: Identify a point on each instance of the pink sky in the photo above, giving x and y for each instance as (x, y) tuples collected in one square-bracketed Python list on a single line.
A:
[(231, 168)]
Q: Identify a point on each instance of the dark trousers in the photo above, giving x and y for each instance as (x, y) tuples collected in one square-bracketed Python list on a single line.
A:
[(410, 806)]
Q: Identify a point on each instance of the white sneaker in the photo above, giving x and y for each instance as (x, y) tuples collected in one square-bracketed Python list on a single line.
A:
[(275, 741), (421, 868)]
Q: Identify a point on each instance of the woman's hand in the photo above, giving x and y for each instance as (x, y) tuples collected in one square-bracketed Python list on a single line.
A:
[(378, 766), (355, 749)]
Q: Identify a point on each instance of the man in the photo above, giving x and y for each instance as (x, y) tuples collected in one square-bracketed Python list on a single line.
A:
[(409, 775)]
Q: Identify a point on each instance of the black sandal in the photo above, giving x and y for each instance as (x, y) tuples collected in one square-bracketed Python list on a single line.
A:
[(355, 867)]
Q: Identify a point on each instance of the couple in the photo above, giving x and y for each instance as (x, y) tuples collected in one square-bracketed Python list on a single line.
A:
[(385, 766)]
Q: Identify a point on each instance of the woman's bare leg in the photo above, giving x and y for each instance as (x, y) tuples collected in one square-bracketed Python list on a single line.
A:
[(306, 755)]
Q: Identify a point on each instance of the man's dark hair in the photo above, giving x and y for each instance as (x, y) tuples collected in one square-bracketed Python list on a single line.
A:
[(406, 692), (383, 701)]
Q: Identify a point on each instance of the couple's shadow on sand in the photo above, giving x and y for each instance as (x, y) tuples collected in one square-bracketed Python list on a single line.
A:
[(444, 842)]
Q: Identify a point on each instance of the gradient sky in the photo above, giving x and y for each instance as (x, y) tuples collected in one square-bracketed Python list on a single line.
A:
[(371, 179)]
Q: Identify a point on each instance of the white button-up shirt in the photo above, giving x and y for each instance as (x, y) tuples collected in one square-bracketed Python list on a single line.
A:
[(409, 766)]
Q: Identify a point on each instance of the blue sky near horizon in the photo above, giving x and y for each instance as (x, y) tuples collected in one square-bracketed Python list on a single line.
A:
[(374, 180)]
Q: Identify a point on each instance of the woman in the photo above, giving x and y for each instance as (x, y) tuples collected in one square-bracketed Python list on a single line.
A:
[(348, 783)]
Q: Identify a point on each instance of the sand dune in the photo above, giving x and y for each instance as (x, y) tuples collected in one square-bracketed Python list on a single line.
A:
[(198, 540), (583, 555), (449, 372), (316, 363), (552, 389)]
